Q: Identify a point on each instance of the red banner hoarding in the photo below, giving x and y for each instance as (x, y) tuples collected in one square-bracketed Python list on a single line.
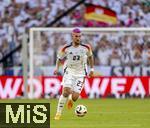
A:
[(12, 87)]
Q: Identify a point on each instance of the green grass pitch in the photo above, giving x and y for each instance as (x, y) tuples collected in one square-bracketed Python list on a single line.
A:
[(102, 113)]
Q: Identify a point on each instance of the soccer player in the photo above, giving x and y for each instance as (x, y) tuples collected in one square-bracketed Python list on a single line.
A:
[(76, 56)]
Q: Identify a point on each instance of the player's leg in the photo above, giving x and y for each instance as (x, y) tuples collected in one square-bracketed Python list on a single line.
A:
[(67, 83), (72, 98), (62, 100)]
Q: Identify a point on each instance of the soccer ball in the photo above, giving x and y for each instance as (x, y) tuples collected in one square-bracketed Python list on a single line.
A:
[(80, 110)]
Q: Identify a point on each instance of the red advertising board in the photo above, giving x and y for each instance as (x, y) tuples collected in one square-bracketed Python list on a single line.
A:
[(12, 87)]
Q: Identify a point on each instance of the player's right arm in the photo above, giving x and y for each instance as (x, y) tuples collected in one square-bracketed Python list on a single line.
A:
[(60, 57), (58, 63)]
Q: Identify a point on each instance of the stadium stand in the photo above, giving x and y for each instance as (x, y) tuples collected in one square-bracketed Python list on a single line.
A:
[(17, 16)]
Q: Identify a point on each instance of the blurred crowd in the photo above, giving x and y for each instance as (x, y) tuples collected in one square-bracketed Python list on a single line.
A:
[(17, 16), (111, 48)]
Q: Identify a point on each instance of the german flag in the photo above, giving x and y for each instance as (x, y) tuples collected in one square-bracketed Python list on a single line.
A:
[(100, 14)]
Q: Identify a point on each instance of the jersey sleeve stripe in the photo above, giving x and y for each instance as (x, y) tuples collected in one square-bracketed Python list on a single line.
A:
[(65, 47), (88, 47)]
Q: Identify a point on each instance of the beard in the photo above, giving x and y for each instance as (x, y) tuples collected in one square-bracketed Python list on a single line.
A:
[(77, 41)]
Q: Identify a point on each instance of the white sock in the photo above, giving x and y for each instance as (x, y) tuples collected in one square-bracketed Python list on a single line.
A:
[(61, 103)]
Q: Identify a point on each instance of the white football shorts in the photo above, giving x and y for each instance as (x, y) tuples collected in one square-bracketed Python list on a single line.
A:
[(74, 82)]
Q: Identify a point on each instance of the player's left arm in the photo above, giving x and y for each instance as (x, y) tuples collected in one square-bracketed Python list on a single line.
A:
[(91, 61)]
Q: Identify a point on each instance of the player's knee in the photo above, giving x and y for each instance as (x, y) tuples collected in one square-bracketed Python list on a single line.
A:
[(65, 94), (75, 97)]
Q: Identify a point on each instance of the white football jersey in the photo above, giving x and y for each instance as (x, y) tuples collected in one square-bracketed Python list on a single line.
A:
[(75, 58)]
